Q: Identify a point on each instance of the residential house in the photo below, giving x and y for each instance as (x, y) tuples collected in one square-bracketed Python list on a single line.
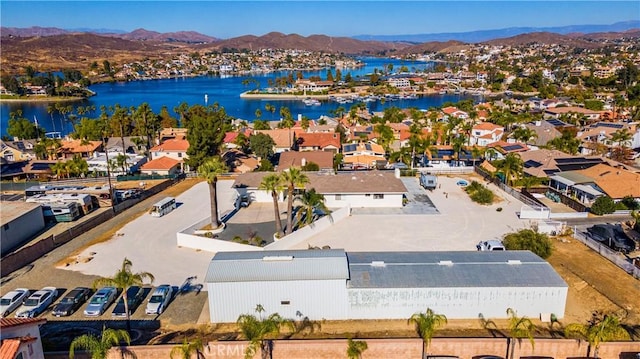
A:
[(545, 131), (588, 184), (317, 142), (230, 138), (399, 82), (132, 162), (485, 133), (21, 338), (283, 138), (444, 156), (161, 166), (172, 132), (323, 159), (17, 151), (455, 112), (572, 112), (543, 163), (504, 148), (363, 156), (84, 149), (240, 162), (602, 132), (175, 148), (132, 144), (365, 189)]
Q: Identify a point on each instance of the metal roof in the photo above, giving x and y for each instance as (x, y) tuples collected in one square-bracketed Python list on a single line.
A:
[(450, 269), (278, 266), (572, 176)]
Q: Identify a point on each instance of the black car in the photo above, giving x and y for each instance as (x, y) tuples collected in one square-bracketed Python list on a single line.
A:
[(135, 295), (613, 236), (71, 302)]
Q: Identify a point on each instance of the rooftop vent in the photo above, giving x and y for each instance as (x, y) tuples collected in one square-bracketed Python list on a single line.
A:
[(514, 261), (445, 263), (378, 264), (277, 258)]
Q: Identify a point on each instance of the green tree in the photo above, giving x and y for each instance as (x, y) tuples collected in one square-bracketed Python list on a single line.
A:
[(426, 325), (261, 125), (123, 279), (511, 167), (262, 145), (273, 184), (523, 134), (210, 170), (21, 128), (310, 202), (528, 239), (258, 330), (567, 142), (519, 328), (292, 178), (355, 348), (187, 349), (622, 137), (98, 348), (207, 127), (59, 168), (311, 167), (603, 205), (597, 330), (147, 124)]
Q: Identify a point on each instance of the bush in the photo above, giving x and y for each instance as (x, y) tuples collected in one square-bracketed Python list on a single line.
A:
[(528, 239), (483, 196), (629, 203), (603, 205)]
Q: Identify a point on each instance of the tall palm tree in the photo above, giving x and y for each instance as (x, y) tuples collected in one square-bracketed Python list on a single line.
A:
[(511, 167), (292, 178), (309, 202), (355, 348), (273, 184), (210, 169), (187, 349), (598, 330), (123, 279), (622, 137), (519, 327), (58, 169), (257, 330), (98, 348), (426, 324)]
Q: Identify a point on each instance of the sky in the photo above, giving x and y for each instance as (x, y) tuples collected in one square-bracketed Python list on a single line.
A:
[(226, 19)]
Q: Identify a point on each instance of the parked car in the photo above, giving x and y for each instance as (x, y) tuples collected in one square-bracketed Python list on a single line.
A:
[(12, 300), (100, 301), (159, 300), (245, 200), (71, 302), (613, 236), (37, 303), (490, 245), (135, 295)]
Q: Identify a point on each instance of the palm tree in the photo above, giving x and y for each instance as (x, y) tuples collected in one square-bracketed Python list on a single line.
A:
[(524, 134), (355, 348), (210, 170), (187, 349), (519, 327), (123, 279), (597, 330), (622, 137), (292, 178), (511, 167), (310, 202), (99, 348), (257, 329), (274, 185), (58, 168), (426, 324)]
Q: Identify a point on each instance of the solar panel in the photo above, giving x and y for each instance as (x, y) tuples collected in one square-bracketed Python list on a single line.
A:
[(609, 125), (556, 123), (367, 147), (532, 163), (20, 146), (577, 160), (445, 152), (349, 148), (512, 148), (41, 166)]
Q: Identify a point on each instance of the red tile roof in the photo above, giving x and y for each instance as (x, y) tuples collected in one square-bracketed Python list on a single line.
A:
[(172, 145), (294, 159), (76, 146), (9, 348), (320, 139), (14, 322), (163, 163)]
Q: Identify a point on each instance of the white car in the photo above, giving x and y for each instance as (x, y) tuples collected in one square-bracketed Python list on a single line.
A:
[(37, 302), (12, 300), (159, 299), (491, 245)]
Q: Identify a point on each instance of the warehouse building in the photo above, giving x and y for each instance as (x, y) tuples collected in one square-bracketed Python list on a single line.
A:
[(335, 285)]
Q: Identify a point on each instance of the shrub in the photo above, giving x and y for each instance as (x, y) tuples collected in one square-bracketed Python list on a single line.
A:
[(528, 239), (473, 187), (603, 205), (630, 203), (482, 196)]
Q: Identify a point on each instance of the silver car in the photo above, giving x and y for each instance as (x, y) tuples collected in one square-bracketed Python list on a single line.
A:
[(37, 302), (100, 301), (12, 300), (159, 299)]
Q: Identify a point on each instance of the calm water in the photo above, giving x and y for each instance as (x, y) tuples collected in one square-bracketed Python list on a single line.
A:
[(225, 91)]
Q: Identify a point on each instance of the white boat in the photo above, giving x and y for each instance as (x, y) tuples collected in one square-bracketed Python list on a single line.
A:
[(311, 102)]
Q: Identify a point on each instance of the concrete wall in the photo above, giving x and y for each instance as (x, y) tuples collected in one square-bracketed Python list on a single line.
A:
[(22, 228), (316, 299), (455, 303), (187, 239), (568, 215), (361, 200), (527, 212)]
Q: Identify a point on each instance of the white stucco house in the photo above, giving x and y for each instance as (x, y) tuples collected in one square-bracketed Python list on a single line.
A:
[(486, 133)]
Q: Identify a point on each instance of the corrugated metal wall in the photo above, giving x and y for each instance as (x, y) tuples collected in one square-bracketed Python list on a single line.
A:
[(317, 299)]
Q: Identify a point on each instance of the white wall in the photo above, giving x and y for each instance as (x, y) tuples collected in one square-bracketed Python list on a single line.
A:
[(21, 229), (316, 299), (30, 330), (211, 244), (455, 303), (528, 212), (362, 200)]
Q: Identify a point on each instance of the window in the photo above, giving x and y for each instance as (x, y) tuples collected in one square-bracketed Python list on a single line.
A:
[(367, 195), (338, 197), (285, 302), (180, 154), (378, 196)]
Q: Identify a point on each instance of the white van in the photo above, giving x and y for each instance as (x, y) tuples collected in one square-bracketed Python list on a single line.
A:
[(491, 245)]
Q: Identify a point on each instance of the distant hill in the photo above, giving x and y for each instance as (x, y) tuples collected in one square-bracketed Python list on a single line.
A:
[(139, 34), (544, 38), (486, 35)]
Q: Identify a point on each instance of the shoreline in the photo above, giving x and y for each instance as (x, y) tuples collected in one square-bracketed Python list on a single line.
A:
[(43, 99)]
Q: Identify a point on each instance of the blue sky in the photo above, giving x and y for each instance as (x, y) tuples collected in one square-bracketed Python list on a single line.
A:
[(225, 19)]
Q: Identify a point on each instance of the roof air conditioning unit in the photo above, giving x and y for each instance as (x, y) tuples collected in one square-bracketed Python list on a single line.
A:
[(514, 261), (277, 258), (445, 263), (378, 264)]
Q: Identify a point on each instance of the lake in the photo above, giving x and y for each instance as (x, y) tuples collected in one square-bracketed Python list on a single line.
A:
[(223, 90)]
